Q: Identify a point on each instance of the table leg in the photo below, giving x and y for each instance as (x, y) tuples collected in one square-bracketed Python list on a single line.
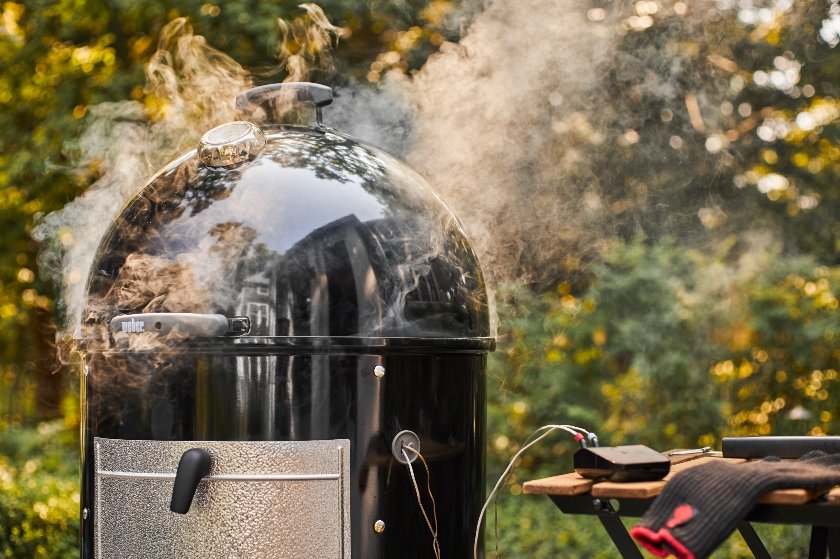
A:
[(819, 542), (753, 541), (834, 543), (617, 532)]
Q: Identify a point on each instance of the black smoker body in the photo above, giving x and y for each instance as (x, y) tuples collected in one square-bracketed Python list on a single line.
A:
[(286, 301)]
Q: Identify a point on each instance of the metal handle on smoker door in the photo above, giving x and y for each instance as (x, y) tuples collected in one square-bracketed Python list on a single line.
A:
[(194, 465), (299, 92)]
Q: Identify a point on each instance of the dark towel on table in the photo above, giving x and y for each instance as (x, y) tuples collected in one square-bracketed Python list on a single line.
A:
[(701, 506)]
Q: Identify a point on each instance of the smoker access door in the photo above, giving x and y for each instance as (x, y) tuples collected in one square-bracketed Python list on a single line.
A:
[(261, 499)]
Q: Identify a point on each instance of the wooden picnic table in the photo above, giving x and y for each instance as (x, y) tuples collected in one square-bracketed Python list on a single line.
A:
[(607, 500)]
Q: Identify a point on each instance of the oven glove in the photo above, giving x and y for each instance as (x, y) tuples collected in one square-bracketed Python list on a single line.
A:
[(701, 506)]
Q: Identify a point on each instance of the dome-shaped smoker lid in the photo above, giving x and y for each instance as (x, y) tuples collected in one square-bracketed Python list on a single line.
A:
[(318, 237)]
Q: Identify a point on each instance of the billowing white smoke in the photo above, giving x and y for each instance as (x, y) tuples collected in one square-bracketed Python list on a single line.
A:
[(496, 133), (124, 144), (524, 128)]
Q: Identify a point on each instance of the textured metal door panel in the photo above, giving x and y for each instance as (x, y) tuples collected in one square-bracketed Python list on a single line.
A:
[(261, 499)]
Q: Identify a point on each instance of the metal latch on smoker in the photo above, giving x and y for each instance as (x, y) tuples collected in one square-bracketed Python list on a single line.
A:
[(181, 324)]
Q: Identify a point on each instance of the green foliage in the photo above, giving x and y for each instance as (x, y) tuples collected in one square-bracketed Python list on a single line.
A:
[(624, 355), (749, 105), (641, 356), (663, 333), (39, 493), (665, 341), (532, 526), (781, 375)]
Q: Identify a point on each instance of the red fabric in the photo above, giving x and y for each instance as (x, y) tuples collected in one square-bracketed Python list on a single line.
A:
[(649, 540), (682, 514), (661, 543)]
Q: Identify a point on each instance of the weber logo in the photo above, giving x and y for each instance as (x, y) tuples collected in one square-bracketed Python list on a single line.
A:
[(133, 326)]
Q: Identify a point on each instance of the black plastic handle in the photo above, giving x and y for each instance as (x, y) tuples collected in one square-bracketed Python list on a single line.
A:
[(194, 465), (298, 92)]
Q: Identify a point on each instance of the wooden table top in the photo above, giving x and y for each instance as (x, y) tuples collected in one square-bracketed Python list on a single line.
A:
[(573, 484)]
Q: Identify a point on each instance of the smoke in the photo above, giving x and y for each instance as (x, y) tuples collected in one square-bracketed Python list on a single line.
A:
[(528, 126), (556, 129), (190, 89), (550, 129), (553, 130), (498, 115), (306, 44), (381, 117), (124, 143)]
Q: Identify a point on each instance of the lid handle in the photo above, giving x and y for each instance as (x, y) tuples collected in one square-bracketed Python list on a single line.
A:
[(182, 324), (290, 92)]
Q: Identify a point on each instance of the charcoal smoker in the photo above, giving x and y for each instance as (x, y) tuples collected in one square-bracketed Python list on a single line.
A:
[(275, 326)]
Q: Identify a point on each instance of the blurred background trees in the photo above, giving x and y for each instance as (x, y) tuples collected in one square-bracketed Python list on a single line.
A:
[(707, 307)]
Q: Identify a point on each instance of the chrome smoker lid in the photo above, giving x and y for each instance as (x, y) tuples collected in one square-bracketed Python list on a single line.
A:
[(300, 230)]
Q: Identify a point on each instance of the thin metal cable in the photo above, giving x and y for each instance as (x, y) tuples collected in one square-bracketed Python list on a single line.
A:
[(433, 531), (571, 429), (496, 524), (429, 489)]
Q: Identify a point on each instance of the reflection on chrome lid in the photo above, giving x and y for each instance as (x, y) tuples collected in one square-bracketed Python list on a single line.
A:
[(230, 144)]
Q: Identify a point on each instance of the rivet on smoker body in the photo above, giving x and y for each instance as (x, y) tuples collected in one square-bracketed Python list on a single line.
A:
[(379, 526), (379, 371)]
